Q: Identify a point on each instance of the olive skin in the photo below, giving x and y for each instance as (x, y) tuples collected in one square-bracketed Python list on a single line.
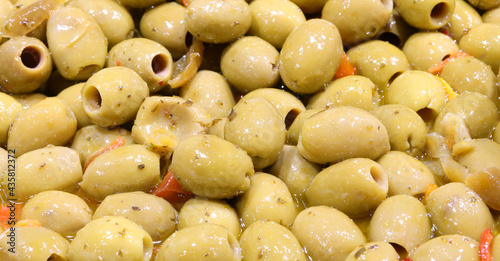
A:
[(374, 251), (211, 91), (401, 220), (327, 233), (91, 138), (72, 97), (80, 51), (151, 60), (153, 214), (273, 20), (46, 122), (25, 65), (270, 241), (378, 60), (201, 210), (113, 96), (428, 15), (427, 49), (464, 17), (139, 3), (482, 41), (124, 169), (478, 112), (353, 90), (310, 6), (354, 186), (448, 247), (456, 209), (327, 136), (34, 243), (485, 5), (268, 198), (305, 68), (165, 24), (213, 21), (365, 26), (48, 168), (111, 238), (9, 110), (405, 174), (201, 242), (250, 63), (256, 126), (68, 212), (293, 133), (407, 130), (114, 20), (211, 167)]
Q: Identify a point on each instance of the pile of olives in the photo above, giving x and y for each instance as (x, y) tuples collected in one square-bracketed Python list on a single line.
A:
[(249, 130)]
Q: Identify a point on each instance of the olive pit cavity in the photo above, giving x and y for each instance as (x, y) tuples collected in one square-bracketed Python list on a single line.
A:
[(440, 13), (159, 64), (31, 57), (92, 98)]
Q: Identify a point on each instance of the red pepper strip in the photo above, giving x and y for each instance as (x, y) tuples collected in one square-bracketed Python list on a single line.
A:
[(345, 67), (406, 259), (428, 190), (485, 249), (171, 190), (186, 2), (436, 69), (120, 141), (6, 220)]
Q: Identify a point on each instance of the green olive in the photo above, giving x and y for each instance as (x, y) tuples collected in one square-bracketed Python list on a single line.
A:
[(430, 14), (427, 49), (448, 247), (464, 17), (9, 110), (483, 41)]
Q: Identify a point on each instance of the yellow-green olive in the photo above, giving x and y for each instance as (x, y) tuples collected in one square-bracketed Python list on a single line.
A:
[(91, 138), (6, 8), (217, 127), (76, 42), (113, 96), (310, 56), (27, 100), (406, 175), (326, 233), (293, 133), (483, 41), (469, 74), (165, 24), (492, 16), (396, 31), (268, 198), (484, 4), (464, 18), (162, 122), (153, 214), (201, 210), (456, 209), (139, 3), (420, 91), (202, 242), (212, 167), (295, 171), (374, 251), (378, 60), (355, 90), (32, 243), (25, 64), (46, 122), (354, 186), (448, 247), (211, 91), (124, 169), (114, 20), (495, 248), (4, 162), (49, 168), (63, 212), (427, 49), (9, 110), (310, 6), (478, 112), (328, 136), (111, 238), (427, 15), (273, 20), (486, 184), (355, 24), (407, 130), (250, 63), (213, 21), (72, 97), (151, 60), (268, 240), (256, 126), (401, 220)]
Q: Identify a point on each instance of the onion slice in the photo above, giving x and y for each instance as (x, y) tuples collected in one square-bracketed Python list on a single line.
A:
[(25, 20), (186, 67)]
